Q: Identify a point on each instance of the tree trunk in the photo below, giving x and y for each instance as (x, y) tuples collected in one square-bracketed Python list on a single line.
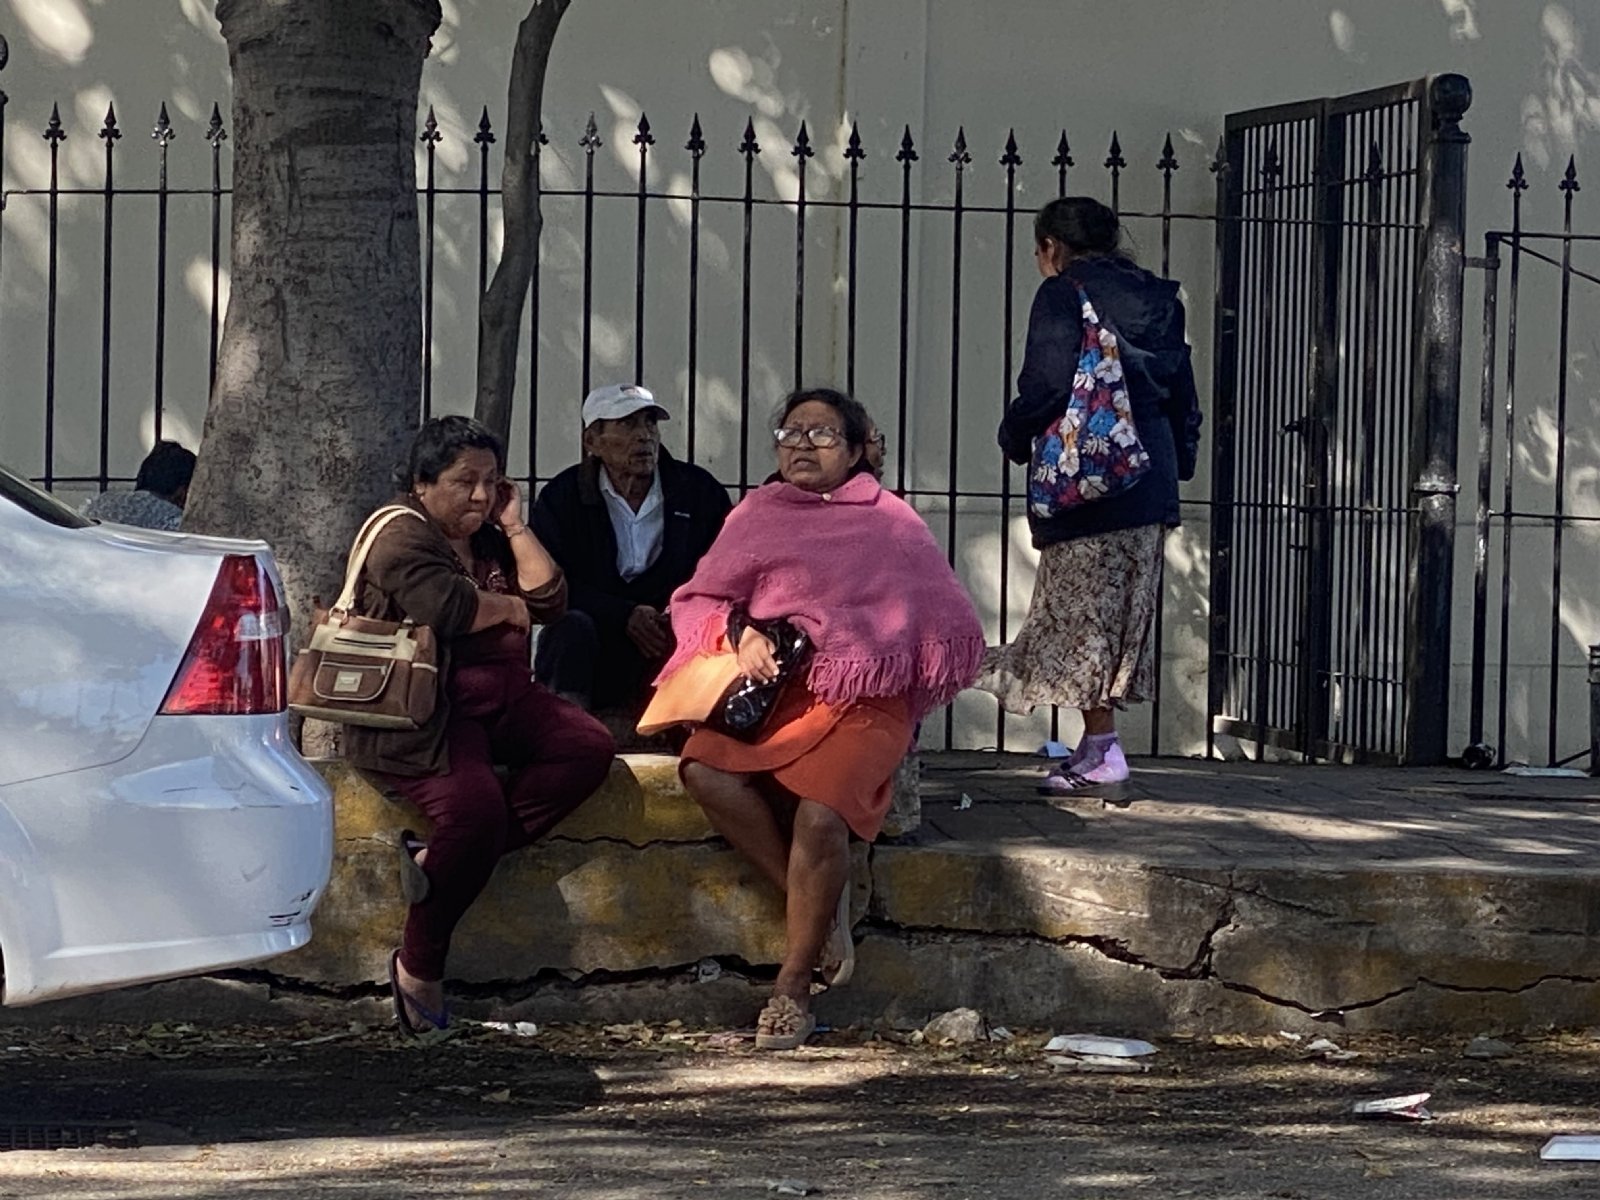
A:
[(318, 373), (500, 309)]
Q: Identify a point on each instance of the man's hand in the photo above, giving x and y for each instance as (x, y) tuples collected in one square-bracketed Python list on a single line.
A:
[(755, 657), (648, 629)]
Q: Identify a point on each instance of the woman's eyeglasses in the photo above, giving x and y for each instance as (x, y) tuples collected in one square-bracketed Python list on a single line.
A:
[(820, 436)]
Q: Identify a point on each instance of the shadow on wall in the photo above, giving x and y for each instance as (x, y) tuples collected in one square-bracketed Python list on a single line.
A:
[(761, 63)]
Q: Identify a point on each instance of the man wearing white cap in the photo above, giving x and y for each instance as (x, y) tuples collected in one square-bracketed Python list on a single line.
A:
[(627, 524)]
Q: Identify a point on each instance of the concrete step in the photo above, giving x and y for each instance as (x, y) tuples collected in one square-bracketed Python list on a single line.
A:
[(634, 880), (1204, 898)]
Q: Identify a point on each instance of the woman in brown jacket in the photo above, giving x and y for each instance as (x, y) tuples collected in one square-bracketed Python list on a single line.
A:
[(470, 569)]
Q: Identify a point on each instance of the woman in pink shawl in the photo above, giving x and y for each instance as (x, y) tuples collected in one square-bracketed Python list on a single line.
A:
[(893, 635)]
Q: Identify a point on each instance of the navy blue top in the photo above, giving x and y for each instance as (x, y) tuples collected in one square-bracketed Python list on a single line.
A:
[(1146, 315)]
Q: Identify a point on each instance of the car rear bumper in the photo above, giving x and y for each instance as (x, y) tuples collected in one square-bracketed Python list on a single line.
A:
[(208, 847)]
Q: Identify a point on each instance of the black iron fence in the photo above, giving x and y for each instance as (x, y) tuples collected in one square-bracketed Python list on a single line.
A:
[(943, 237), (1537, 544), (723, 282)]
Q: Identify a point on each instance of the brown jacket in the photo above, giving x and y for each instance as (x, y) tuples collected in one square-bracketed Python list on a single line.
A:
[(412, 572)]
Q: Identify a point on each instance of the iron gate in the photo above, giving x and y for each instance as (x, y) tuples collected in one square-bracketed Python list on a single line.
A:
[(1337, 380)]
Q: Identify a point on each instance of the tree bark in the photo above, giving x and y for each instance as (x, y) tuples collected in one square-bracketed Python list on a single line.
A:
[(318, 373), (500, 308)]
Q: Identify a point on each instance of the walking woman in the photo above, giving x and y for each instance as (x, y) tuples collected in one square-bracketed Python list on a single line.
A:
[(1089, 638)]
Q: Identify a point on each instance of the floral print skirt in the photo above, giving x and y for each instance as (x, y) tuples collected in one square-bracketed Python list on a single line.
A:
[(1089, 639)]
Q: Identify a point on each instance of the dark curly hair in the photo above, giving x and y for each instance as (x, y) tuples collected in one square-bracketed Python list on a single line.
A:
[(166, 470), (439, 443), (853, 414)]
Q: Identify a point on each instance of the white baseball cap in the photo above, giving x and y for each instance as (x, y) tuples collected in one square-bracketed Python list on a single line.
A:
[(617, 400)]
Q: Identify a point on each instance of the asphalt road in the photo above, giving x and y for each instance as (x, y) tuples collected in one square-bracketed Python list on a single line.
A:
[(331, 1110)]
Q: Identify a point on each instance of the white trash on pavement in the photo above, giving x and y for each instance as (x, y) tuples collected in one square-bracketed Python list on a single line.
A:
[(1572, 1147), (1404, 1108), (1090, 1043)]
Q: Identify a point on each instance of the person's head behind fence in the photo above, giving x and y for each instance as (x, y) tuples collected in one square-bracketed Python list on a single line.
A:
[(1074, 227), (166, 472)]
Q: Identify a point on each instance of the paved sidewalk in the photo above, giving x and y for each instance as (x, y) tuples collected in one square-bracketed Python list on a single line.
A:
[(1204, 897), (1219, 814)]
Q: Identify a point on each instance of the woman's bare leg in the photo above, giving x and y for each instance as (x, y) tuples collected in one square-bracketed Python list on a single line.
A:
[(819, 869), (1099, 721), (739, 812)]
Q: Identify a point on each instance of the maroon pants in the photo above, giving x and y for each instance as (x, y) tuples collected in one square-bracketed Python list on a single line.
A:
[(558, 755)]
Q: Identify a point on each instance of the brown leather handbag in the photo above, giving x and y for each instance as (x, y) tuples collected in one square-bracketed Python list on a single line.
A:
[(361, 671)]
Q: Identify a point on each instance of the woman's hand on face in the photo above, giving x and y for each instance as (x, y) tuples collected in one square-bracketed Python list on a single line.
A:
[(755, 657), (508, 505)]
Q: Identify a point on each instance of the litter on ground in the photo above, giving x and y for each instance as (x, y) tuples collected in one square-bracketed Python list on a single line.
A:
[(1572, 1147), (1402, 1108), (1090, 1043)]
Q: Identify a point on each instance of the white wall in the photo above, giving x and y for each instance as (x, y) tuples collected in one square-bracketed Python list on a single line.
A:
[(1035, 66)]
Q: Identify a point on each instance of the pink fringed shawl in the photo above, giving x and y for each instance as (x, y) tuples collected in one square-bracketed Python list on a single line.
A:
[(859, 572)]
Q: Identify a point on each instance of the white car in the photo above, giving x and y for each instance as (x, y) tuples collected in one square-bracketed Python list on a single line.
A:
[(155, 819)]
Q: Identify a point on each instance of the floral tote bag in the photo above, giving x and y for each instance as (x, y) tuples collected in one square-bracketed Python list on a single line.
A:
[(1092, 450)]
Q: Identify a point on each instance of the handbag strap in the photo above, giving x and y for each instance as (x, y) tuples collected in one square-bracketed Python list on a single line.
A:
[(375, 524), (1086, 309)]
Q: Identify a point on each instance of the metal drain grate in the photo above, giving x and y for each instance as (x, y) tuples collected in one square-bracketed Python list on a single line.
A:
[(77, 1135)]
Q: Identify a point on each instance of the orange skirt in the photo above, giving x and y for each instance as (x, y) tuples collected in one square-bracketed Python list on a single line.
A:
[(840, 755)]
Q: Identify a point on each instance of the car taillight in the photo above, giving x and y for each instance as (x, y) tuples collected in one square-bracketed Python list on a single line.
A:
[(235, 662)]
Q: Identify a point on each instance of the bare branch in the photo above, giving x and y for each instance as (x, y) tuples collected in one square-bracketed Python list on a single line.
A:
[(500, 308)]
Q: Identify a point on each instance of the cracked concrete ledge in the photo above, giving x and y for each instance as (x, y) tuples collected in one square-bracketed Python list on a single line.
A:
[(1029, 917)]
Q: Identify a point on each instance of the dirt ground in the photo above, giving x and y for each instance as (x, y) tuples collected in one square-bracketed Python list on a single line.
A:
[(331, 1109)]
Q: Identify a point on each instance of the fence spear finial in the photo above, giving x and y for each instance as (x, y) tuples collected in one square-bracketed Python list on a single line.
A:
[(696, 145), (1219, 161), (1374, 172), (959, 154), (1063, 156), (1114, 160), (1519, 178), (908, 150), (1168, 163), (1271, 166), (853, 149), (1569, 180), (163, 132), (1011, 158), (215, 133)]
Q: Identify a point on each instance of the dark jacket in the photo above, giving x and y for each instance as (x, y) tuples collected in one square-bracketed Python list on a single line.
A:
[(571, 520), (1147, 317), (412, 572)]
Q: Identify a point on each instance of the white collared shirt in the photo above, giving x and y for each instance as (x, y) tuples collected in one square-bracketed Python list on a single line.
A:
[(639, 534)]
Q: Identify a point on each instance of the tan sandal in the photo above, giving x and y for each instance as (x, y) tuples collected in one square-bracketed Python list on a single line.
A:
[(782, 1025), (838, 960)]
